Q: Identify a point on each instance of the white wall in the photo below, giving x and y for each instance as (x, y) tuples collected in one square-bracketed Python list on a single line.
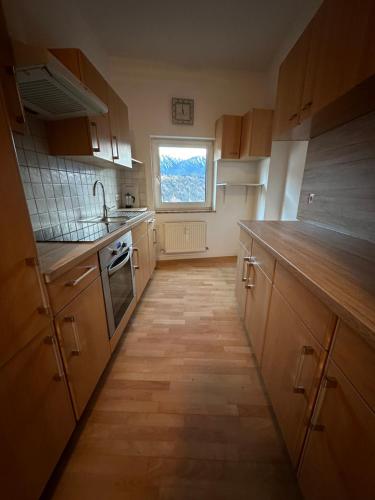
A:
[(148, 89)]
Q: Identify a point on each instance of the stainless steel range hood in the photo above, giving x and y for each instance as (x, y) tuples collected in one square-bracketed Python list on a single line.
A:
[(48, 88)]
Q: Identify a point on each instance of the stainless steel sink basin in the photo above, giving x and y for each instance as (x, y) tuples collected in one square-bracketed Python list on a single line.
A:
[(107, 220)]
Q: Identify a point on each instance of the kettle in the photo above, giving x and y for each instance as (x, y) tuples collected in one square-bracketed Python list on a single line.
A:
[(129, 200)]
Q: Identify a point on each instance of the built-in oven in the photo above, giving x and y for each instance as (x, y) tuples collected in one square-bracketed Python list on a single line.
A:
[(118, 279)]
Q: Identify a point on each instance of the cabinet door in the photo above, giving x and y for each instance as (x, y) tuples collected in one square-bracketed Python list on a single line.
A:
[(151, 231), (241, 278), (83, 336), (23, 300), (346, 38), (141, 264), (36, 418), (228, 137), (291, 368), (257, 304), (290, 86), (256, 134), (120, 134), (339, 457)]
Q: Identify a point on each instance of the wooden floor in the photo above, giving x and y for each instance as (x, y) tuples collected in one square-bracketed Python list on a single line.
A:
[(181, 414)]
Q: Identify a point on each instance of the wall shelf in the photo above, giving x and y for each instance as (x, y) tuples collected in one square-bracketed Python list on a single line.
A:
[(247, 185)]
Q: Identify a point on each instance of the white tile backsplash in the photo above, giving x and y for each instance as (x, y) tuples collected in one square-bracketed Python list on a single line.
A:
[(59, 190)]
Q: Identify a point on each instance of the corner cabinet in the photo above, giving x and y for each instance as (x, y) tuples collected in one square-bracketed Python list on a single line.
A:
[(256, 134), (83, 336)]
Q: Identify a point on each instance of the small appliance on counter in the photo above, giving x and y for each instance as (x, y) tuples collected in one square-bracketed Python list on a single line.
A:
[(129, 200)]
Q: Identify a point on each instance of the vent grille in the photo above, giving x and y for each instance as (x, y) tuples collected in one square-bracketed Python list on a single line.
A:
[(49, 97)]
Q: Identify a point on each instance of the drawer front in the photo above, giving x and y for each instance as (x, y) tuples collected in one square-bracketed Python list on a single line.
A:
[(138, 231), (246, 240), (316, 316), (264, 260), (354, 353), (292, 366), (63, 289)]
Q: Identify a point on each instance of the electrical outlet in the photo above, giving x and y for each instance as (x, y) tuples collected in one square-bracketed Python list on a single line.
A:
[(310, 198)]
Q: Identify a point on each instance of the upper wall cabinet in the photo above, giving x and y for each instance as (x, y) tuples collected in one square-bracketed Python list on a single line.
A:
[(120, 134), (256, 135), (228, 137), (94, 138), (333, 55), (244, 137)]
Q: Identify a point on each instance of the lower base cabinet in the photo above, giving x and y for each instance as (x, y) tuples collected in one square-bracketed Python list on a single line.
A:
[(292, 367), (339, 457), (257, 303), (36, 418), (83, 336), (151, 232), (142, 264), (241, 277)]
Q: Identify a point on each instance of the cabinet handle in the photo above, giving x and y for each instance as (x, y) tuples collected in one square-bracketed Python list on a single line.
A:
[(249, 262), (154, 241), (116, 156), (328, 383), (44, 308), (294, 115), (245, 268), (307, 106), (96, 148), (305, 351), (89, 270), (136, 266), (51, 340), (72, 321)]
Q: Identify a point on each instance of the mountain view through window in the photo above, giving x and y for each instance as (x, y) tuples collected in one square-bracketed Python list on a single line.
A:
[(183, 174)]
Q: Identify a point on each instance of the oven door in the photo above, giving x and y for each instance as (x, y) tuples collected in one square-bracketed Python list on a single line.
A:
[(118, 288)]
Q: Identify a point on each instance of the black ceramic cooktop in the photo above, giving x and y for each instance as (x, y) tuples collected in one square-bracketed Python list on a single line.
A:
[(76, 232)]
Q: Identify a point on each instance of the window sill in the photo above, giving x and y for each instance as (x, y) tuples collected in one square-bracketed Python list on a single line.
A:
[(185, 211)]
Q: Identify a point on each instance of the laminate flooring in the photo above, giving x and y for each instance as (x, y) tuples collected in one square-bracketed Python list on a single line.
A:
[(181, 414)]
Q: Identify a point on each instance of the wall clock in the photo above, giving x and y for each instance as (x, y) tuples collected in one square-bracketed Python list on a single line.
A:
[(182, 111)]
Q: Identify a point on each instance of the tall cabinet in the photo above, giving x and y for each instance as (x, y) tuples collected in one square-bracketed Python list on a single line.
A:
[(36, 418)]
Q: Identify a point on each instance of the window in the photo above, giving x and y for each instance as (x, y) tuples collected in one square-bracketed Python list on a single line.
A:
[(183, 174)]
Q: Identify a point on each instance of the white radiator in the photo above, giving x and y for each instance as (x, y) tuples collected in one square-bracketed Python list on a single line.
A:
[(185, 237)]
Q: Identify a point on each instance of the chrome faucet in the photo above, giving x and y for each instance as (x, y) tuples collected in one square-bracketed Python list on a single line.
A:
[(105, 208)]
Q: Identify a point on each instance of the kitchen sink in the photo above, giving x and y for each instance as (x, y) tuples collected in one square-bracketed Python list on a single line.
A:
[(107, 220)]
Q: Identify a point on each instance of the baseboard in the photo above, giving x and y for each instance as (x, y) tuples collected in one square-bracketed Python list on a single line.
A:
[(198, 261)]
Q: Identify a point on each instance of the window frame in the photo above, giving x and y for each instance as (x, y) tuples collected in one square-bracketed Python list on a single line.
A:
[(208, 204)]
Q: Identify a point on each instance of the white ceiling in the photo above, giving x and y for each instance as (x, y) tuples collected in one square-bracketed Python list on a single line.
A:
[(225, 34)]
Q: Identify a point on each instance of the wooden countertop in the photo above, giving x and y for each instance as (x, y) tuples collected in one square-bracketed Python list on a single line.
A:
[(57, 257), (339, 269)]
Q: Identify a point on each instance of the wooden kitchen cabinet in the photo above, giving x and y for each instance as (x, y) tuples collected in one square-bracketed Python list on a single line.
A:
[(141, 264), (291, 367), (339, 458), (243, 269), (23, 300), (256, 134), (85, 136), (291, 86), (120, 133), (152, 241), (259, 288), (346, 41), (36, 418), (83, 336), (227, 137)]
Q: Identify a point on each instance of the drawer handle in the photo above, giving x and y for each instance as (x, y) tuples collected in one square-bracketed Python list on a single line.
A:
[(95, 148), (51, 340), (115, 141), (250, 262), (247, 262), (328, 383), (307, 106), (137, 265), (72, 321), (154, 241), (305, 351), (294, 115), (89, 270)]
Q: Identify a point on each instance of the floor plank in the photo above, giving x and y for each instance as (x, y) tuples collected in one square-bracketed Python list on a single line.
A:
[(181, 414)]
